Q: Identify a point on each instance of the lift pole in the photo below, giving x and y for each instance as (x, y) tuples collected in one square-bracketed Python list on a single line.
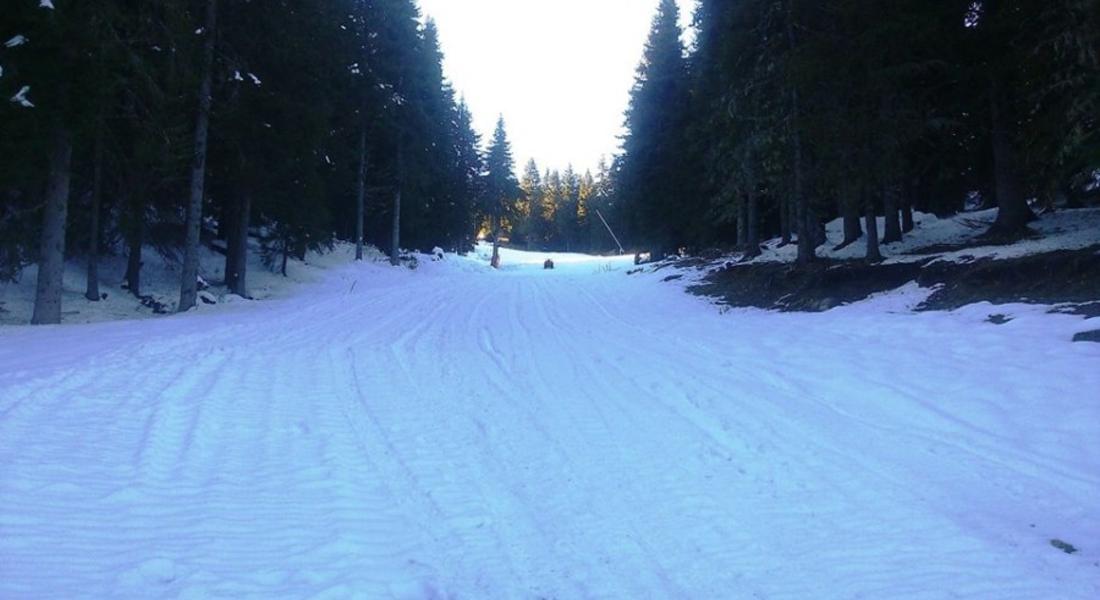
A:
[(617, 243)]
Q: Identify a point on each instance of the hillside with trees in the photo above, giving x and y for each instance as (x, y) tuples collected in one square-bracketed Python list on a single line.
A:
[(280, 128), (171, 126), (783, 116), (278, 321)]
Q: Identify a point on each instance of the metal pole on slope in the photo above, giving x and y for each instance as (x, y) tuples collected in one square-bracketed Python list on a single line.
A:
[(613, 236)]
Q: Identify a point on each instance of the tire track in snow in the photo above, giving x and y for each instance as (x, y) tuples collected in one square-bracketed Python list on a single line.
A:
[(604, 524), (499, 435), (633, 421), (854, 495)]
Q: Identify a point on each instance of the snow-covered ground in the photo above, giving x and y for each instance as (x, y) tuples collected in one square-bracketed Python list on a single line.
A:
[(458, 432), (160, 279), (1068, 229)]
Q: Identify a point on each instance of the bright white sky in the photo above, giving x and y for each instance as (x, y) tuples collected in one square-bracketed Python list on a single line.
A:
[(559, 71)]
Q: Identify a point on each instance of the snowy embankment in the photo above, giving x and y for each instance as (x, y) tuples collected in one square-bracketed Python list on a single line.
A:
[(955, 238), (948, 259), (160, 281), (455, 431)]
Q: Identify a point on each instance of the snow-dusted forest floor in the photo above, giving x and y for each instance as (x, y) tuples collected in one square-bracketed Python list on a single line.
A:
[(950, 259), (160, 283), (458, 432), (957, 238)]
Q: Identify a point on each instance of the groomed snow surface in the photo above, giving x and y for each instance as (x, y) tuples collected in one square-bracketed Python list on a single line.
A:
[(458, 432)]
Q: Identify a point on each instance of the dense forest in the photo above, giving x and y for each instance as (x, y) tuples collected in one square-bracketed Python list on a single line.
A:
[(131, 127), (785, 114), (165, 125)]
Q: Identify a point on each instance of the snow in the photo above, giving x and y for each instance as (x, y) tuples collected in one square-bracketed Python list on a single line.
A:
[(520, 263), (21, 99), (456, 431), (1069, 229), (15, 41), (160, 279), (46, 4)]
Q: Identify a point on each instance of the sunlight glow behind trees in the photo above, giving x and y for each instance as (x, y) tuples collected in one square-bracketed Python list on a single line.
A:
[(560, 72)]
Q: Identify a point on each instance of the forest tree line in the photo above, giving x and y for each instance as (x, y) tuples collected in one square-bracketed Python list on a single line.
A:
[(561, 211), (785, 114), (180, 123)]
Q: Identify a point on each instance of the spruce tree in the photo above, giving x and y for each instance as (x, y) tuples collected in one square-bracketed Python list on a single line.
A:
[(467, 173), (651, 176), (500, 189), (531, 185), (553, 198)]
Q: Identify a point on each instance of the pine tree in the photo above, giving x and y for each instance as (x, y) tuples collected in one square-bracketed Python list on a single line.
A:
[(651, 176), (304, 98), (585, 231), (565, 215), (467, 171), (532, 217), (50, 61), (553, 197), (500, 188)]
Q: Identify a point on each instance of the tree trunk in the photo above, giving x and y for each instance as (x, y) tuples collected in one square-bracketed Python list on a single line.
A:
[(818, 231), (361, 192), (494, 227), (752, 228), (236, 255), (286, 255), (395, 250), (1013, 213), (228, 228), (190, 271), (801, 215), (849, 210), (893, 223), (135, 240), (92, 290), (907, 223), (784, 222), (51, 260), (852, 229), (742, 222), (792, 218), (244, 219), (871, 224)]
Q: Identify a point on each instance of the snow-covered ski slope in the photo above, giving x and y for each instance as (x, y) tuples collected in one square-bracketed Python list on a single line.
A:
[(455, 432)]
